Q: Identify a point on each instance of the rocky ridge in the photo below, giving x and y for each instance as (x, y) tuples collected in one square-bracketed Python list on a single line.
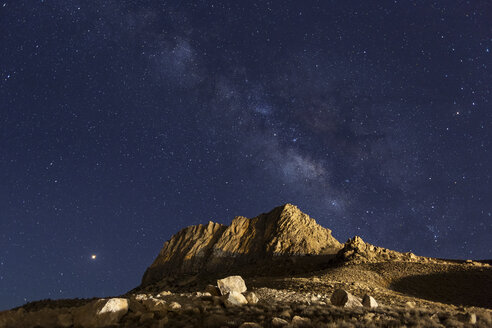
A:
[(284, 232), (355, 250)]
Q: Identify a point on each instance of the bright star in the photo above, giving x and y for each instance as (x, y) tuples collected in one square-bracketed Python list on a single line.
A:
[(93, 256)]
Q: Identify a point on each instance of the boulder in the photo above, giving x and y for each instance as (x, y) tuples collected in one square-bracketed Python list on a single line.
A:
[(251, 297), (278, 322), (232, 299), (174, 306), (369, 302), (154, 304), (141, 297), (343, 298), (301, 322), (231, 284), (101, 313), (468, 318)]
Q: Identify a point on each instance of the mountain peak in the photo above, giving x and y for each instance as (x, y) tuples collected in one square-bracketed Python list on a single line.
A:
[(285, 231)]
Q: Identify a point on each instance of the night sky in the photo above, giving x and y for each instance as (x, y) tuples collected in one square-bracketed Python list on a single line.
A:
[(122, 122)]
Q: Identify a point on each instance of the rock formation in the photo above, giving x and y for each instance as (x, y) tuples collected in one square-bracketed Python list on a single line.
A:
[(355, 250), (283, 232)]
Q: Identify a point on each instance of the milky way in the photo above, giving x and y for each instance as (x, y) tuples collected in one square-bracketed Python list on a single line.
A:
[(123, 121)]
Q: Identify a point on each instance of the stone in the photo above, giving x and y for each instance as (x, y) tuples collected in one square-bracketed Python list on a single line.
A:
[(174, 306), (164, 293), (278, 322), (435, 317), (369, 316), (231, 284), (286, 314), (141, 297), (251, 297), (154, 304), (301, 322), (213, 290), (343, 298), (410, 304), (101, 313), (250, 325), (357, 251), (468, 317), (232, 299), (369, 302)]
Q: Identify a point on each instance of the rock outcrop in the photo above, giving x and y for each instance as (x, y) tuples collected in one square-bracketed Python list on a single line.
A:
[(355, 250), (283, 232)]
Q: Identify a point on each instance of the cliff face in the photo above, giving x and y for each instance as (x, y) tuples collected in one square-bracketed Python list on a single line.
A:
[(283, 232)]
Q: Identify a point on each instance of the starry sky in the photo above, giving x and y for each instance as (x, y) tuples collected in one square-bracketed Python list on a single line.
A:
[(122, 122)]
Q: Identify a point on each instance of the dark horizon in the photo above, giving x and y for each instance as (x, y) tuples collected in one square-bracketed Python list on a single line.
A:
[(122, 122)]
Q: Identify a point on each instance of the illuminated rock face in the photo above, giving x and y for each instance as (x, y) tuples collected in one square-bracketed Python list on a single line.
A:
[(355, 250), (283, 232)]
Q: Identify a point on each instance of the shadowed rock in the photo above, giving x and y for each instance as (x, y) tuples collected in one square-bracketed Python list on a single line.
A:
[(343, 298), (369, 302)]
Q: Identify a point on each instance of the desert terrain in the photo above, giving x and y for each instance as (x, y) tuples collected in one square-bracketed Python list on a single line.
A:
[(284, 271)]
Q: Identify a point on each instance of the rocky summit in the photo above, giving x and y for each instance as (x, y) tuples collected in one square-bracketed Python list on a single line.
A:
[(284, 233)]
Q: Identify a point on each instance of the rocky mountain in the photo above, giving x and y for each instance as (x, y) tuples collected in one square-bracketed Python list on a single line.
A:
[(284, 233), (295, 275)]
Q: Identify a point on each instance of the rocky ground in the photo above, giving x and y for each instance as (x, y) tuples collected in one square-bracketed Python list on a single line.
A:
[(449, 295)]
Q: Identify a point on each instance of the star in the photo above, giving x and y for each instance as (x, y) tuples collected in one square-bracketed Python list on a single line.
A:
[(93, 256)]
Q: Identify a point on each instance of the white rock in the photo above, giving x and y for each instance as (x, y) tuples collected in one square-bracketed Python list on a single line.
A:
[(141, 297), (234, 299), (251, 297), (369, 302), (278, 322), (231, 284), (174, 306), (164, 293), (101, 313)]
